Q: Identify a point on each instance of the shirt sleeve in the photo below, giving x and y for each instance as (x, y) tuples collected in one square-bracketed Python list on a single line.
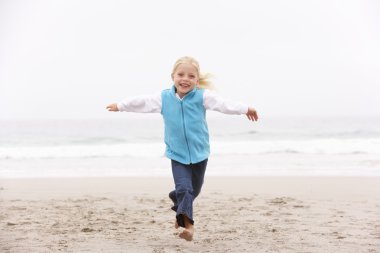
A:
[(214, 102), (144, 104)]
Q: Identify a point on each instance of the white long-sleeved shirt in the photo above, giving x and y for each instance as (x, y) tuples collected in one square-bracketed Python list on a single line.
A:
[(153, 104)]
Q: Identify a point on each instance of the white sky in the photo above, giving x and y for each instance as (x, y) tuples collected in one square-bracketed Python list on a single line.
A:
[(70, 58)]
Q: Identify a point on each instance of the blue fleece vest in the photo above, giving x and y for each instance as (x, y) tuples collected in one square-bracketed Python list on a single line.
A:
[(186, 131)]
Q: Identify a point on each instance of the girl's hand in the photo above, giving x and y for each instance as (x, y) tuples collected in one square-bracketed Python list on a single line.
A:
[(112, 108), (252, 114)]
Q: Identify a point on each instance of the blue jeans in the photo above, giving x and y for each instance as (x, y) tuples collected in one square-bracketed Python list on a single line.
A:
[(188, 181)]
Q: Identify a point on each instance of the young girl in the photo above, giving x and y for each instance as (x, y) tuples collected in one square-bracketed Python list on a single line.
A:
[(183, 108)]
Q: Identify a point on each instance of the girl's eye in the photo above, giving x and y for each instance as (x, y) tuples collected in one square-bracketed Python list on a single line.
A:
[(192, 76), (180, 74)]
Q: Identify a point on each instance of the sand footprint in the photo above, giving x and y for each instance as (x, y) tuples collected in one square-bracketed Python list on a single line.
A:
[(158, 250), (280, 201)]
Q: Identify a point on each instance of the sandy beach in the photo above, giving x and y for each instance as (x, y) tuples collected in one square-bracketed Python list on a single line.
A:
[(232, 214)]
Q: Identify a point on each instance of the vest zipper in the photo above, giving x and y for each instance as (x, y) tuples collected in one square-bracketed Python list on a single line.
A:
[(184, 130)]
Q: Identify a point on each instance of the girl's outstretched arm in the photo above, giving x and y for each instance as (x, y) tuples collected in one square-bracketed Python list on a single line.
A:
[(112, 108), (213, 101), (143, 104), (252, 114)]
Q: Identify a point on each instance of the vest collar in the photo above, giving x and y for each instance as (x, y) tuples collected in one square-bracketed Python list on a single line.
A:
[(190, 93)]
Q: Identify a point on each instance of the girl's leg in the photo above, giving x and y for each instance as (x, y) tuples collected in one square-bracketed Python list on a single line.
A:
[(182, 175), (198, 173)]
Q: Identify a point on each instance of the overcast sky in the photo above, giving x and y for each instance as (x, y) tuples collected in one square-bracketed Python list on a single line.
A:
[(69, 59)]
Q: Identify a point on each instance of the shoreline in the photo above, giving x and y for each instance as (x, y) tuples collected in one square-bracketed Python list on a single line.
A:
[(301, 186)]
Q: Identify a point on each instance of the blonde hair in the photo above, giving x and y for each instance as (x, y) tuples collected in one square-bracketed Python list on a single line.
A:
[(204, 79)]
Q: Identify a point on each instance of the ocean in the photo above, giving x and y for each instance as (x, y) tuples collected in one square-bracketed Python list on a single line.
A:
[(132, 145)]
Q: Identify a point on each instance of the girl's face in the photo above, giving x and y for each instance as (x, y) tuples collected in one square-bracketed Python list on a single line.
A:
[(185, 78)]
